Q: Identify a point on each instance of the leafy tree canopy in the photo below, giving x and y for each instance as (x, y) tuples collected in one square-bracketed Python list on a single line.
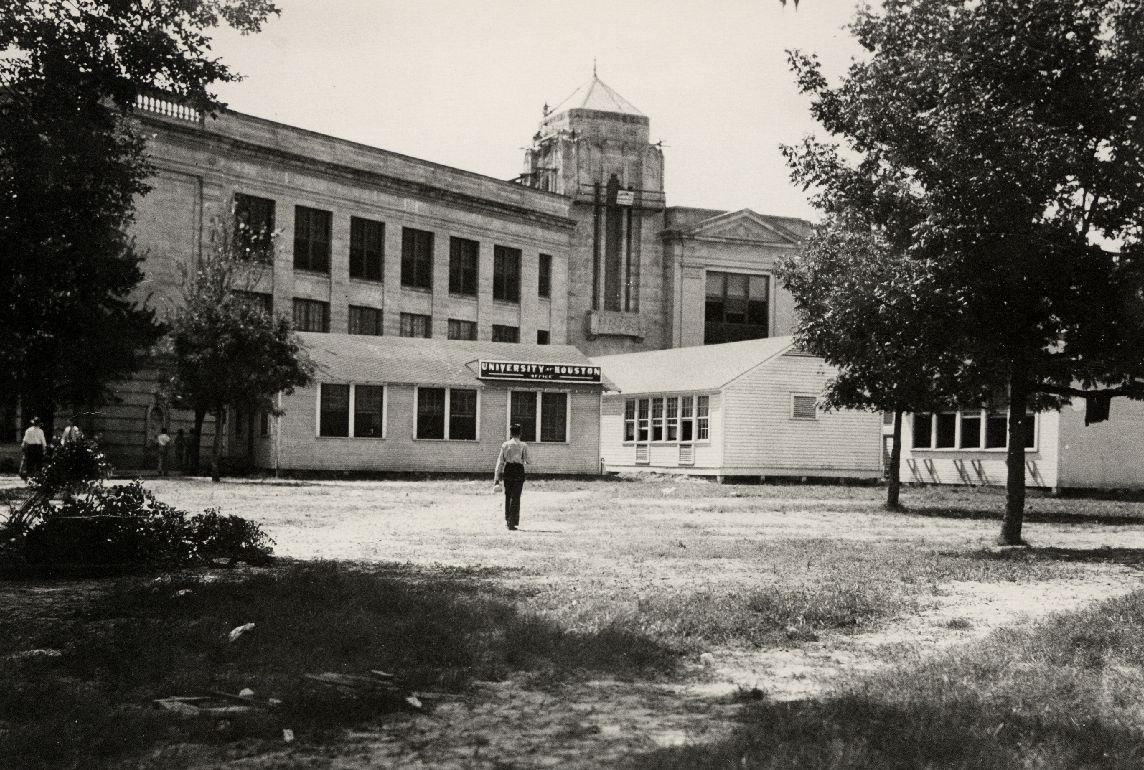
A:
[(71, 166)]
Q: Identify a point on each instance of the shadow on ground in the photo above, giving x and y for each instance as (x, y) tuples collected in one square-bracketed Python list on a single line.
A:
[(86, 698), (854, 731), (1130, 557), (1031, 517)]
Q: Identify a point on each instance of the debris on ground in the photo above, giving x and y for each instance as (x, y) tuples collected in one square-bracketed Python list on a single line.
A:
[(239, 631), (213, 703), (376, 684)]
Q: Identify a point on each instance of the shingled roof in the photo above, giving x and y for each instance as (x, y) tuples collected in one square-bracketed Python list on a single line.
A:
[(706, 367), (362, 358)]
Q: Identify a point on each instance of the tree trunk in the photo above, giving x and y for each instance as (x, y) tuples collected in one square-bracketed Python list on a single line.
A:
[(894, 479), (216, 447), (196, 443), (1015, 481)]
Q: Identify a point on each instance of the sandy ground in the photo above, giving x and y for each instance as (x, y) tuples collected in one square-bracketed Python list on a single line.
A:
[(603, 723)]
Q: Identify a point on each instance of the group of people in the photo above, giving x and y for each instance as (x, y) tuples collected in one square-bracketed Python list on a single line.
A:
[(34, 446)]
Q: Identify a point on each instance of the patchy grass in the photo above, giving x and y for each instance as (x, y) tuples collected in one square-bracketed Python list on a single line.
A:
[(1064, 694), (141, 640)]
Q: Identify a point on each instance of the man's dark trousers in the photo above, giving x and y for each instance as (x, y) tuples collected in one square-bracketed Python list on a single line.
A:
[(513, 484)]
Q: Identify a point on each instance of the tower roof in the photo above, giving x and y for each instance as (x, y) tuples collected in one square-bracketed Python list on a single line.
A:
[(596, 95)]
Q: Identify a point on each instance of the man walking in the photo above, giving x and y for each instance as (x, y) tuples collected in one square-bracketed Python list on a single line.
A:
[(510, 466)]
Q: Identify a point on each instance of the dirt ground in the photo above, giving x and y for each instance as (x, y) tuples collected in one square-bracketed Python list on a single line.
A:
[(571, 530)]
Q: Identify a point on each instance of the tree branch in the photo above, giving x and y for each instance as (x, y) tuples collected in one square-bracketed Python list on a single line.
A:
[(1132, 390)]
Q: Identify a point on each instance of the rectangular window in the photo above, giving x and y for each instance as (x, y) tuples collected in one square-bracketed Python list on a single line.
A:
[(414, 325), (463, 266), (672, 419), (970, 430), (736, 307), (369, 411), (522, 412), (657, 419), (253, 228), (702, 418), (312, 239), (365, 320), (462, 330), (310, 315), (643, 428), (334, 413), (544, 276), (367, 249), (431, 413), (462, 415), (506, 274), (630, 419), (686, 419), (803, 407), (922, 426), (416, 258), (996, 430), (541, 336), (554, 417), (506, 333), (257, 299), (946, 430)]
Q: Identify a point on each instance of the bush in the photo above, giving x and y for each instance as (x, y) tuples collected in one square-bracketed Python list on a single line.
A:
[(128, 525)]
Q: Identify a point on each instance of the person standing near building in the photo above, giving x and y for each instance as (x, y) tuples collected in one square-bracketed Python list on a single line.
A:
[(510, 467), (33, 446), (72, 434), (163, 442)]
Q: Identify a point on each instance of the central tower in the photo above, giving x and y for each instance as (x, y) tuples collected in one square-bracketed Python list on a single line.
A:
[(594, 147)]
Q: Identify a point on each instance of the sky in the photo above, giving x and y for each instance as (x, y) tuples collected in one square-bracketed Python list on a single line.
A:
[(463, 83)]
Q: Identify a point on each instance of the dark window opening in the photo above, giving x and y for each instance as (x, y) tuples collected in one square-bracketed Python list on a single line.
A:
[(544, 277), (541, 336), (414, 325), (736, 307), (463, 415), (553, 417), (253, 236), (430, 413), (506, 274), (369, 411), (312, 239), (365, 320), (310, 315), (462, 330), (416, 258), (463, 266), (522, 412), (367, 249), (506, 333), (334, 419)]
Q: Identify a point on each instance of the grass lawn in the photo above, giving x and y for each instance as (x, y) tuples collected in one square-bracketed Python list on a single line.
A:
[(629, 623)]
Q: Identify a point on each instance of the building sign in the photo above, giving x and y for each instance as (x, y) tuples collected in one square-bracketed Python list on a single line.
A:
[(526, 371), (625, 198)]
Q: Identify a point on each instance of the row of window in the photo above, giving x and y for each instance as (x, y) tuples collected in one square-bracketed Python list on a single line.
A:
[(737, 307), (667, 419), (967, 429), (254, 223), (311, 315), (447, 414)]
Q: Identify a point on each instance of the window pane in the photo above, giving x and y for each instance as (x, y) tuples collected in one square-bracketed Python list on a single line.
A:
[(506, 333), (368, 401), (463, 415), (921, 431), (946, 430), (414, 325), (996, 430), (541, 336), (686, 422), (657, 419), (544, 279), (416, 258), (311, 315), (629, 420), (553, 416), (462, 330), (365, 320), (463, 266), (736, 286), (367, 243), (672, 419), (970, 431), (506, 274), (335, 410), (253, 227), (522, 411), (702, 423), (430, 413), (312, 239), (715, 286)]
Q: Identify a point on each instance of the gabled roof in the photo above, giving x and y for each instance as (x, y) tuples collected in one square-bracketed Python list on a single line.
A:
[(596, 95), (706, 367), (747, 225), (366, 359)]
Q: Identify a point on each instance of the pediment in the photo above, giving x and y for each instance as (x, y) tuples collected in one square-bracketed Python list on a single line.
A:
[(743, 225)]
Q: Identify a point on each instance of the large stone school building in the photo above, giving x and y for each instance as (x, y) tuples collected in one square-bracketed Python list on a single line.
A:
[(580, 253)]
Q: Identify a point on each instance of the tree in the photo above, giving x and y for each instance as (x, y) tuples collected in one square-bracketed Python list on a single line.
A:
[(71, 165), (1018, 131), (869, 310), (230, 352)]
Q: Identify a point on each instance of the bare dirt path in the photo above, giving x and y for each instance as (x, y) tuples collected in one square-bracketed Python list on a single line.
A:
[(605, 723)]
